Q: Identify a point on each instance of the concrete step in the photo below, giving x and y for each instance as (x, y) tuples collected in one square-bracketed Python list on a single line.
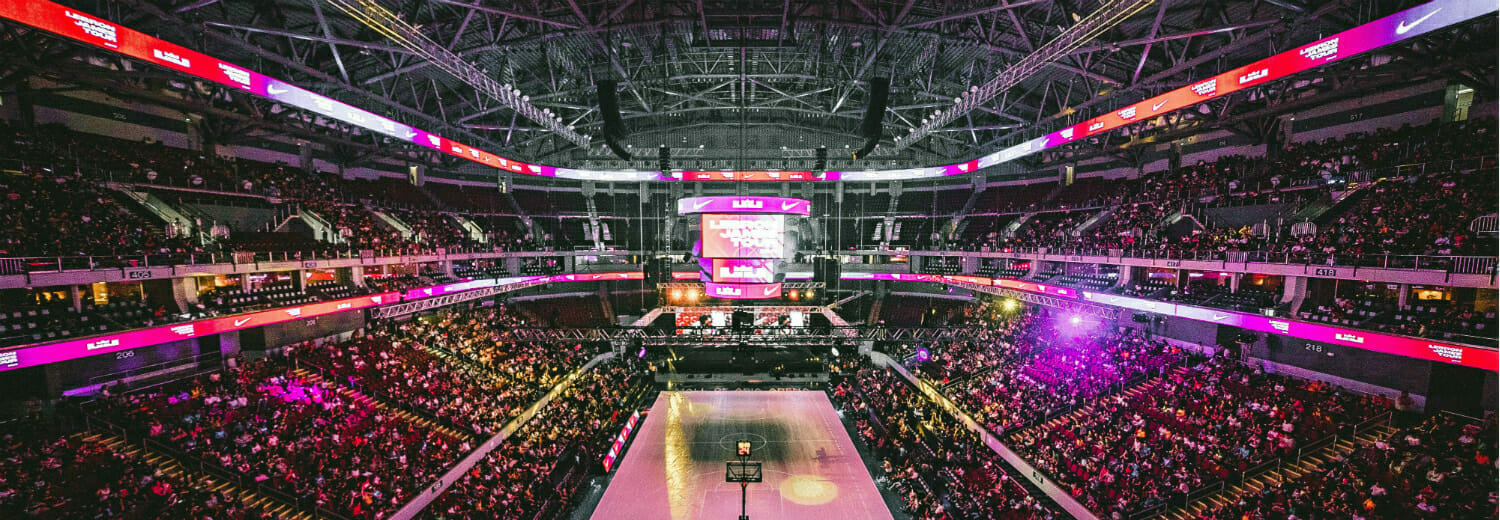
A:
[(376, 403), (171, 468)]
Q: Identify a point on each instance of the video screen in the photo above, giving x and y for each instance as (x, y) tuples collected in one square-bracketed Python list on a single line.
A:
[(737, 270), (744, 236)]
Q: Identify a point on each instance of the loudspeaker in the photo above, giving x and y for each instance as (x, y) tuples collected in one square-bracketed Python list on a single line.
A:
[(651, 271), (609, 109), (664, 159), (880, 91), (827, 270), (870, 127), (743, 320), (821, 162)]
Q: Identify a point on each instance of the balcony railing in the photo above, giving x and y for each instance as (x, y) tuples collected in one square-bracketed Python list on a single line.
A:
[(1450, 264)]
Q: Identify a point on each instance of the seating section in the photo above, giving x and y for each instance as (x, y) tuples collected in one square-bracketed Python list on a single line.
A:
[(1012, 199), (303, 437), (1443, 468), (1174, 435), (434, 229), (458, 366), (536, 472), (50, 214), (33, 324), (234, 300), (51, 476), (937, 467)]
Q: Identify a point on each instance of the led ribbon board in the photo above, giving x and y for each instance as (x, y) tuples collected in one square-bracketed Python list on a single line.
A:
[(34, 355), (747, 175), (72, 23), (1419, 348), (741, 241), (746, 204), (93, 30), (1379, 33), (45, 353), (619, 444), (741, 291)]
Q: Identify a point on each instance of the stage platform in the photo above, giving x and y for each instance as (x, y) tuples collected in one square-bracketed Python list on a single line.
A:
[(675, 468)]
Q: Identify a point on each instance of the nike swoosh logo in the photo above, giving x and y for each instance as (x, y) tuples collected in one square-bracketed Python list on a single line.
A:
[(700, 205), (241, 322), (1157, 106), (1218, 317), (770, 291), (1403, 27), (272, 90), (788, 205)]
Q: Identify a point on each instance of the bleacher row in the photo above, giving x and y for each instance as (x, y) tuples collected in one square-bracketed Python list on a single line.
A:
[(1052, 214)]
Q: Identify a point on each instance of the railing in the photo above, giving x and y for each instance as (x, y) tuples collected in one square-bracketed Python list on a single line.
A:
[(58, 264), (345, 382), (1279, 463), (1486, 224), (200, 466), (1450, 264), (216, 358)]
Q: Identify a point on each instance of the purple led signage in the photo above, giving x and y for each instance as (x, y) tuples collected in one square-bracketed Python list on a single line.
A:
[(1486, 359), (746, 204), (34, 355), (737, 270), (742, 291)]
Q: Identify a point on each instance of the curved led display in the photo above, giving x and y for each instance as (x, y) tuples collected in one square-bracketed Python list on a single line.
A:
[(1419, 348), (744, 204)]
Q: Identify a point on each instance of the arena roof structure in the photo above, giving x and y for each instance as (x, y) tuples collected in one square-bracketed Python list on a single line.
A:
[(742, 80)]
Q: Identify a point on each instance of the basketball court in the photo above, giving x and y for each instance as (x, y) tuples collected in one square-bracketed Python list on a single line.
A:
[(675, 469)]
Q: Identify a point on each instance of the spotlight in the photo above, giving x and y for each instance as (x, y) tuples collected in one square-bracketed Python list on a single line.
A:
[(923, 355), (692, 294), (792, 295), (1010, 305), (1075, 320), (676, 294)]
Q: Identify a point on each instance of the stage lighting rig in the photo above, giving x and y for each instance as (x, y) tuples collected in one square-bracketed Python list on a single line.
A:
[(1096, 24), (387, 23)]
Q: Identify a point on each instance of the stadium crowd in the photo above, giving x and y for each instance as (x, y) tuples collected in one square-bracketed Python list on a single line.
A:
[(47, 476), (1415, 212), (1442, 469), (536, 471), (268, 424), (1061, 376), (457, 365), (1138, 449), (940, 469)]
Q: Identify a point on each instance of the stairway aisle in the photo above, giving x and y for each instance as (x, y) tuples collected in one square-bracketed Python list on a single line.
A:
[(177, 472)]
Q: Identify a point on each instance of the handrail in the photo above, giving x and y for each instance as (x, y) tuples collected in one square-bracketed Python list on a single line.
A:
[(328, 375), (1263, 467), (430, 492), (201, 466), (1065, 502)]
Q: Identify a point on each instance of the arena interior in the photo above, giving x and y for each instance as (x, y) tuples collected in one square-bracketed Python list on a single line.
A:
[(749, 259)]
